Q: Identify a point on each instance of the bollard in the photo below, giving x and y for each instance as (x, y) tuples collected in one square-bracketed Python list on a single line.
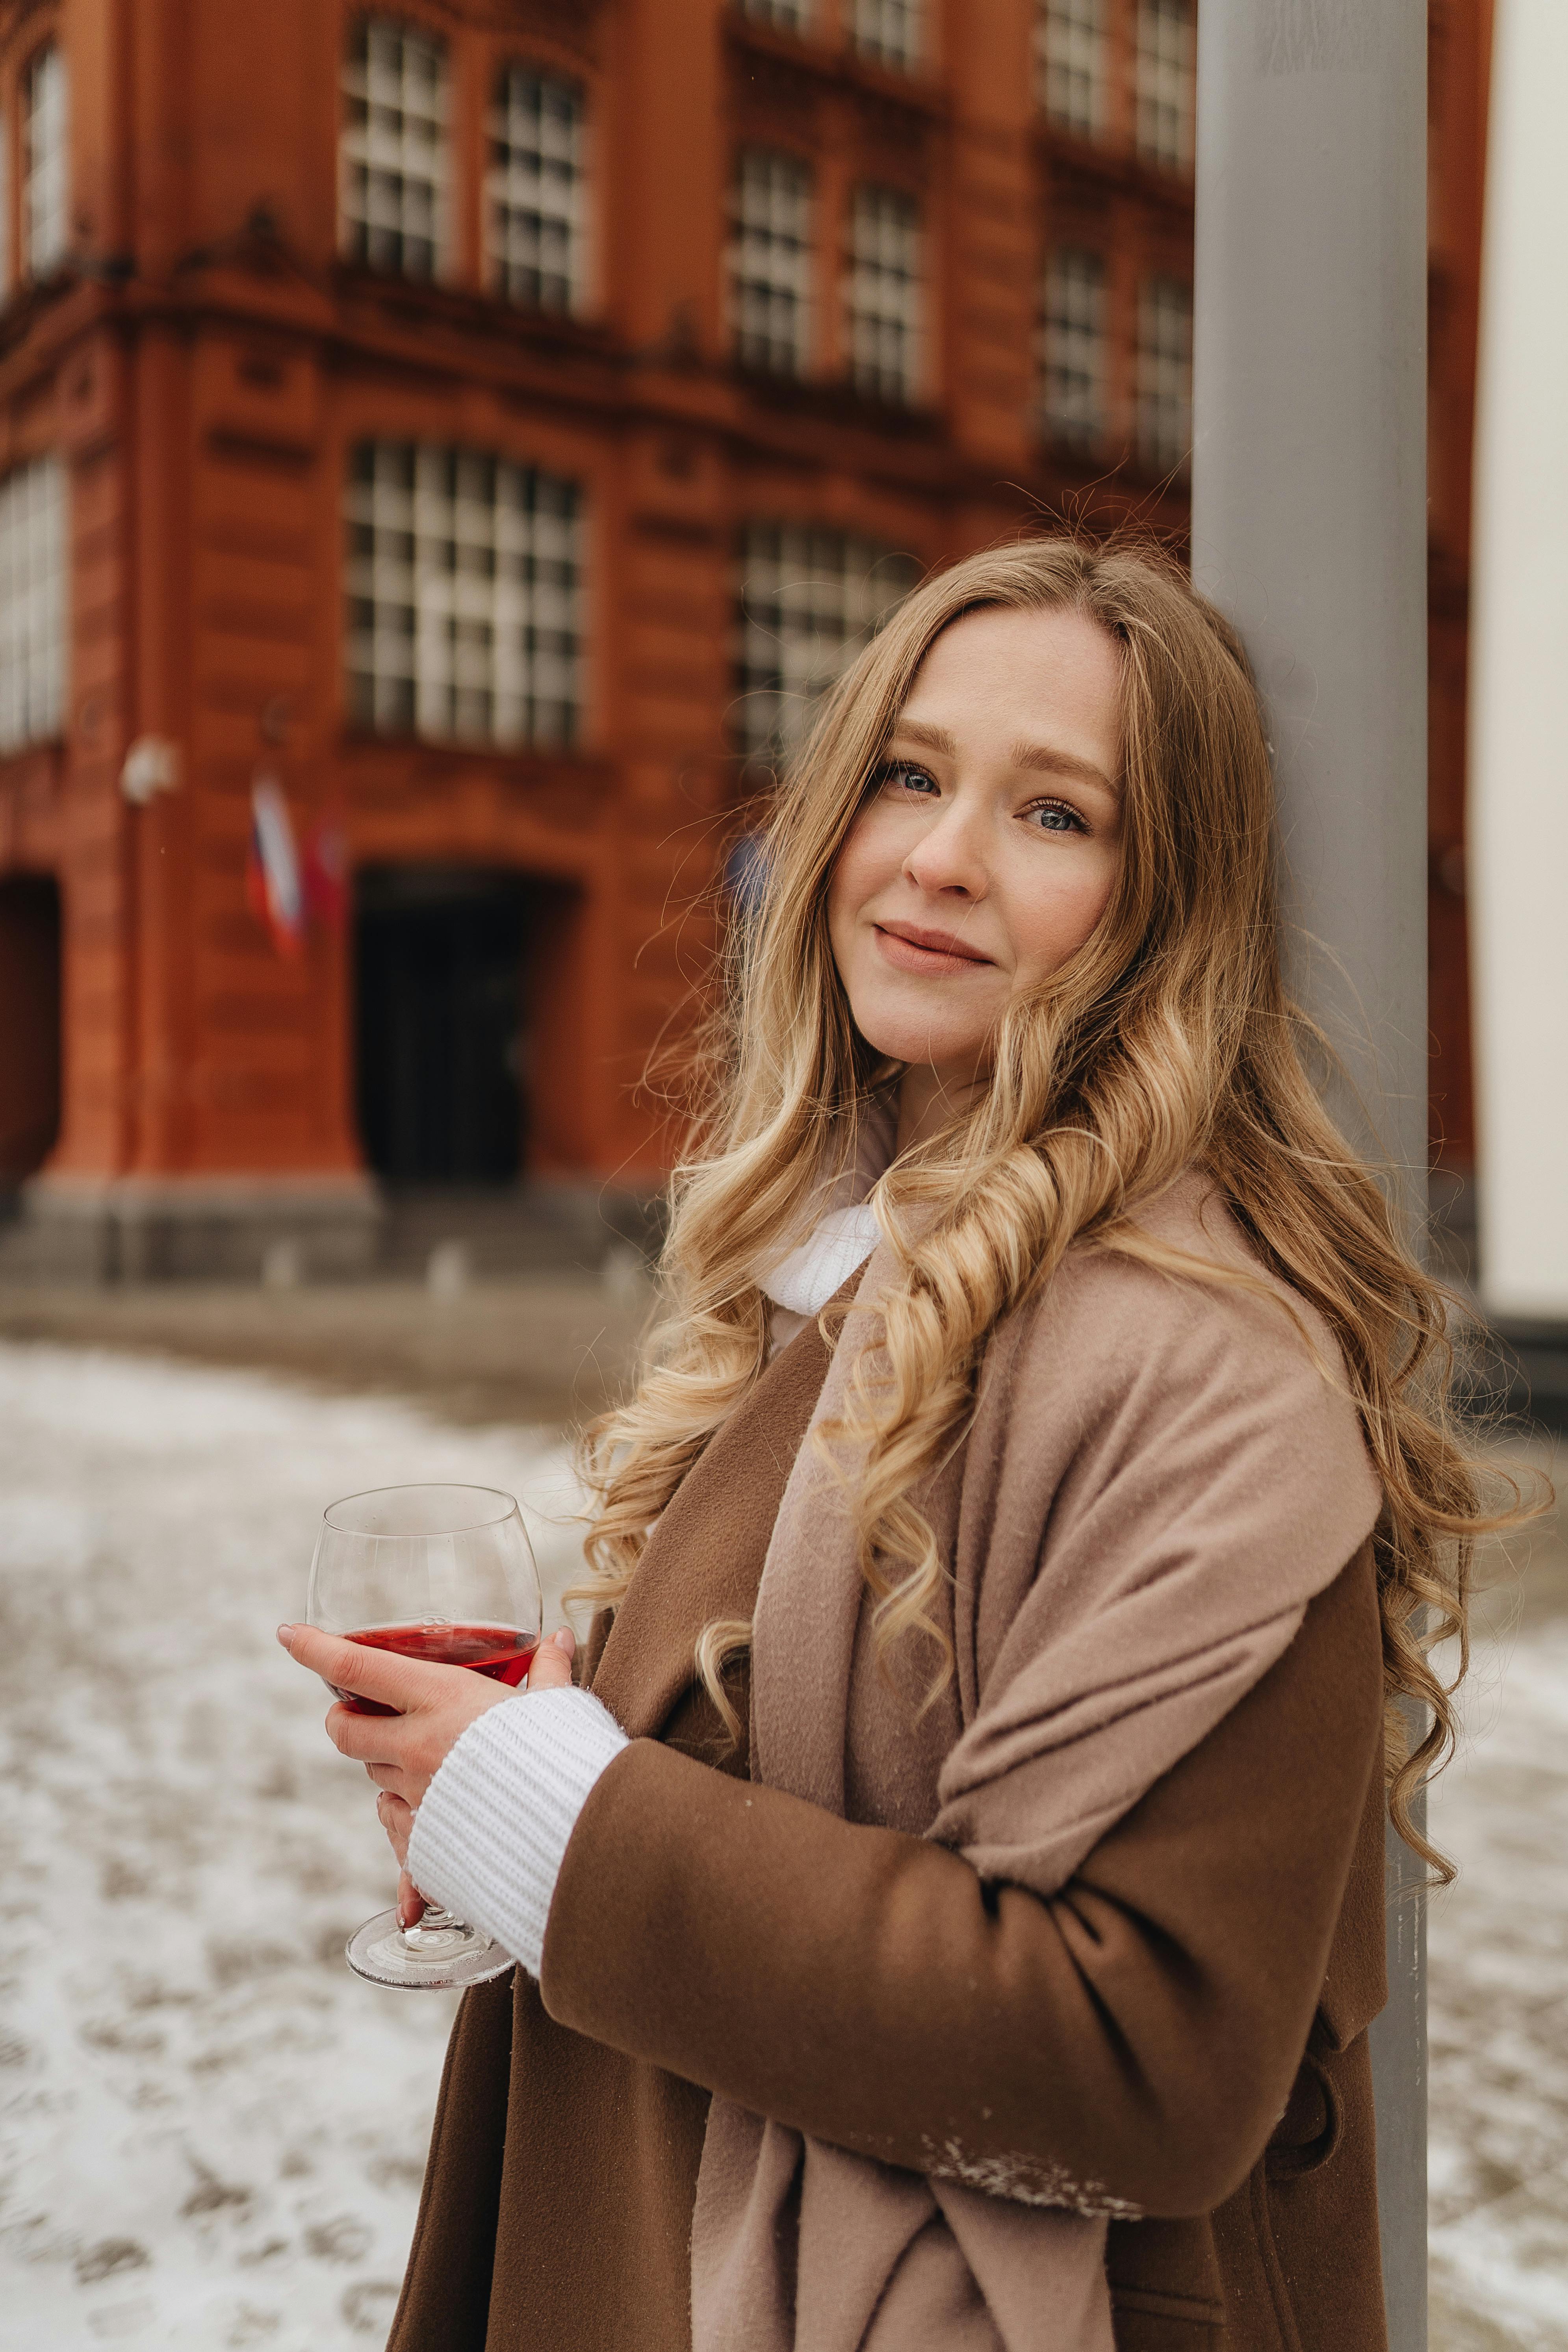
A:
[(448, 1269)]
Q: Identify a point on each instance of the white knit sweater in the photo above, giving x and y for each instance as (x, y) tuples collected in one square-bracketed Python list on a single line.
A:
[(491, 1835)]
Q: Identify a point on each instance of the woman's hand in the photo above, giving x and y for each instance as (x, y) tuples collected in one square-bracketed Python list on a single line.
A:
[(434, 1704)]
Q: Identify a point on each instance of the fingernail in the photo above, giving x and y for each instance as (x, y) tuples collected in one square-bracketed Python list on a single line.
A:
[(283, 1634), (565, 1638)]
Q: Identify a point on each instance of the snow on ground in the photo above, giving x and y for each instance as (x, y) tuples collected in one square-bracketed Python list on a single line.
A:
[(1499, 1993), (211, 2134)]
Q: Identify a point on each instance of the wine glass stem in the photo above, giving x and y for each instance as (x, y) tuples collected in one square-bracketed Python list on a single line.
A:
[(433, 1920)]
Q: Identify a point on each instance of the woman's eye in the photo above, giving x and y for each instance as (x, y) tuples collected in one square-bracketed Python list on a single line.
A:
[(1055, 816), (903, 776)]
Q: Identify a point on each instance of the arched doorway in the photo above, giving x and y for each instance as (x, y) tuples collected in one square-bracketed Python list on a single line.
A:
[(29, 1022), (450, 981)]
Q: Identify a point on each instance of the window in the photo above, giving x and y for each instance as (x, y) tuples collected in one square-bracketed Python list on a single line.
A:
[(770, 262), (464, 596), (394, 164), (1164, 82), (882, 294), (889, 32), (535, 191), (808, 601), (789, 15), (32, 603), (1073, 347), (1164, 373), (1070, 64), (44, 206)]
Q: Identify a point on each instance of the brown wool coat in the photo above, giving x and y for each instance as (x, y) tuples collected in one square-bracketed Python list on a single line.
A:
[(1213, 1960)]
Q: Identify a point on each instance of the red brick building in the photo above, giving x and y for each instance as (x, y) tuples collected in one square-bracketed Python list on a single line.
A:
[(1459, 54), (485, 423)]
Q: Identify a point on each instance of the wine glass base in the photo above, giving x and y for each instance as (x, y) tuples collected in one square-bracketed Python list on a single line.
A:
[(435, 1962)]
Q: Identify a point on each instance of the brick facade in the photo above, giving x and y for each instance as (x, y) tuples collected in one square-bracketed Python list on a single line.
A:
[(210, 356)]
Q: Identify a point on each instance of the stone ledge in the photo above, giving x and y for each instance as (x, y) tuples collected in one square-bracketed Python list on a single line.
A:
[(142, 1229)]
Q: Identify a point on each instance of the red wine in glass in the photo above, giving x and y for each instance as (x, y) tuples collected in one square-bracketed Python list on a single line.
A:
[(503, 1651), (446, 1574)]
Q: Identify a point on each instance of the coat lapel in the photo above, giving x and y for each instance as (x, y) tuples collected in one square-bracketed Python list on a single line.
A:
[(704, 1559)]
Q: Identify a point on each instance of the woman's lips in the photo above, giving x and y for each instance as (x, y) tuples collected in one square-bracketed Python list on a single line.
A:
[(910, 950)]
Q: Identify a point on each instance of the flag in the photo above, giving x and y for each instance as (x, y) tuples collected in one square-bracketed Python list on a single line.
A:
[(273, 888), (327, 871)]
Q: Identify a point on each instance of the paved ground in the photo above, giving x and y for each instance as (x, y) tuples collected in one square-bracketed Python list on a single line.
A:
[(210, 2134)]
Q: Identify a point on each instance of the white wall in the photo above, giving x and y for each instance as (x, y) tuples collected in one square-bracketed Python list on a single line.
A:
[(1517, 818)]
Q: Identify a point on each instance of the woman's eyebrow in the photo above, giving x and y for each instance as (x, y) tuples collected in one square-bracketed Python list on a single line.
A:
[(1061, 764), (935, 738)]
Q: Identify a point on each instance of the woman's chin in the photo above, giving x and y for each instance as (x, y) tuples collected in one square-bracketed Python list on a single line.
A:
[(921, 1046)]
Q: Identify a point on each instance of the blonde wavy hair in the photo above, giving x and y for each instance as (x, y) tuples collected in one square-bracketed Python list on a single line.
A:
[(1167, 1042)]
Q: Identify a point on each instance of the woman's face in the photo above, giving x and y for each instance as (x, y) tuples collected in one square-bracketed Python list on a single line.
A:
[(985, 852)]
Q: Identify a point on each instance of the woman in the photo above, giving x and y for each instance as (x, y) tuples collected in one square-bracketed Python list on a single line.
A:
[(951, 1903)]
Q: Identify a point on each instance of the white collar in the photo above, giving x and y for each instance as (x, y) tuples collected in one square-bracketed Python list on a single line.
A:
[(846, 1231), (809, 1276)]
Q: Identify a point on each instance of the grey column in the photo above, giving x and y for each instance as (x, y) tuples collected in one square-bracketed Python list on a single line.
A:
[(1310, 529)]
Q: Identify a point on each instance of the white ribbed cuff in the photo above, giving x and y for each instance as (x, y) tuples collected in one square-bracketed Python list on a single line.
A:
[(492, 1833)]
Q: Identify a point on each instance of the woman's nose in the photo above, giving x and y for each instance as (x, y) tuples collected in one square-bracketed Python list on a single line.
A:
[(951, 855)]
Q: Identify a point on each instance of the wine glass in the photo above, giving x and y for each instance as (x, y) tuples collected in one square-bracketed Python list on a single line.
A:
[(440, 1572)]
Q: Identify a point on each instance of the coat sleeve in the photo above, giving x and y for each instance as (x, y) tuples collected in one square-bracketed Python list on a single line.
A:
[(1129, 2044)]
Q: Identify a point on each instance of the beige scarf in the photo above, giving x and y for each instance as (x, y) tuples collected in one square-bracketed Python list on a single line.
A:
[(1158, 1478)]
